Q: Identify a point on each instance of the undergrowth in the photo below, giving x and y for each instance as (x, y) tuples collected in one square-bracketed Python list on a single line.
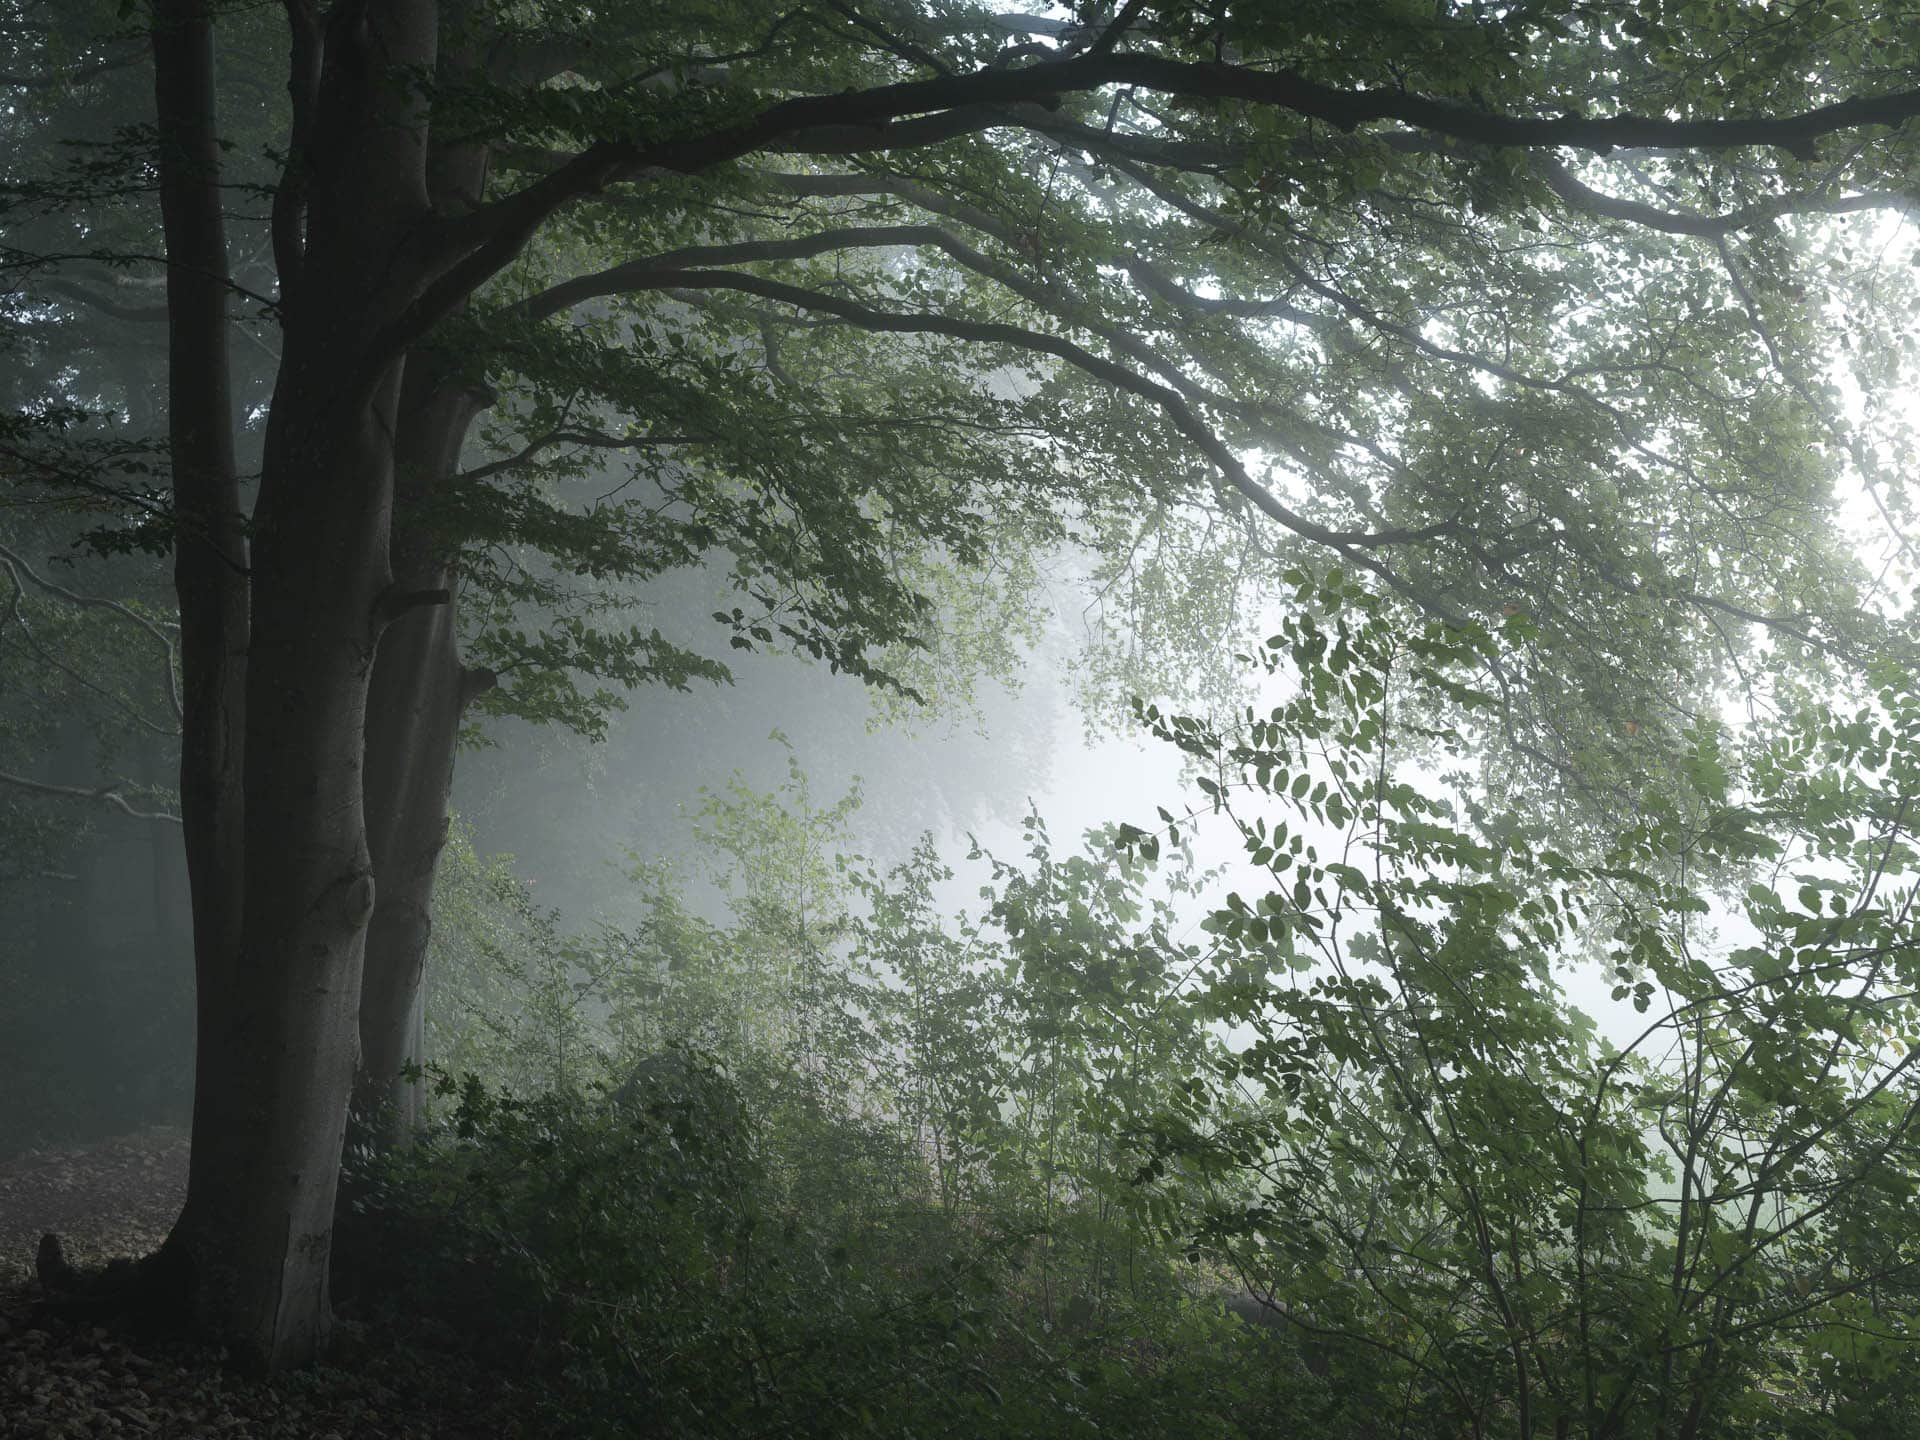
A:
[(661, 1261)]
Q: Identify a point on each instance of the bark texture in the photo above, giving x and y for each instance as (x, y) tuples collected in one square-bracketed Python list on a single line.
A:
[(279, 1010), (210, 564), (419, 692)]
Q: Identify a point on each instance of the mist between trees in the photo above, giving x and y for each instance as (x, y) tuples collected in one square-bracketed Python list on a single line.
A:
[(491, 489)]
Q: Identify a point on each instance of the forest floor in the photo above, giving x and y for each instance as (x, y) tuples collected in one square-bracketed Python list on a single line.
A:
[(106, 1199), (113, 1198)]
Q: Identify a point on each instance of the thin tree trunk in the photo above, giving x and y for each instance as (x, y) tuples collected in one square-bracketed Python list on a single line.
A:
[(210, 555), (210, 549), (420, 692)]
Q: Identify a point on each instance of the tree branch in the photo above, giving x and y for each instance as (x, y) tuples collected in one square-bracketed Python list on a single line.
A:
[(109, 794), (306, 52), (16, 567), (1049, 294), (861, 185), (1351, 543), (1582, 197), (1052, 297), (905, 49), (1407, 335), (1848, 437), (475, 682), (140, 314), (1110, 37), (395, 601), (648, 273), (23, 263), (588, 439), (49, 79), (476, 246)]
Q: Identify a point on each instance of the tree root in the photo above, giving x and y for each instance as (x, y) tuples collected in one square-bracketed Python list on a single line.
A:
[(146, 1294)]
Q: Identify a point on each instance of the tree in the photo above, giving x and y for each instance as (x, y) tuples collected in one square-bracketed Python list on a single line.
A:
[(1320, 278), (1426, 1154)]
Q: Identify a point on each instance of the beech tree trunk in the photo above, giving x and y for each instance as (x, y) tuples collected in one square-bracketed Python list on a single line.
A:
[(409, 710), (279, 1056), (210, 565), (419, 692), (279, 995), (210, 548)]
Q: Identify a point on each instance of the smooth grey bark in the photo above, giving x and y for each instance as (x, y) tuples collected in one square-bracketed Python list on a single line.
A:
[(420, 691), (278, 1010), (210, 563), (413, 718)]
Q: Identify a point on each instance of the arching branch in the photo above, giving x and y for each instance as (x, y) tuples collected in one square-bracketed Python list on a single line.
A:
[(1273, 426), (644, 274), (1407, 335), (108, 794), (1352, 544), (1847, 437), (474, 247), (1583, 197), (585, 439), (113, 309), (16, 567)]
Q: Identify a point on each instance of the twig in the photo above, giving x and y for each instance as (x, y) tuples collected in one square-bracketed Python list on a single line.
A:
[(109, 793)]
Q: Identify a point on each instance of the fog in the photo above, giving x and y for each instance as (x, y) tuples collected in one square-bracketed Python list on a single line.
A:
[(852, 720)]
